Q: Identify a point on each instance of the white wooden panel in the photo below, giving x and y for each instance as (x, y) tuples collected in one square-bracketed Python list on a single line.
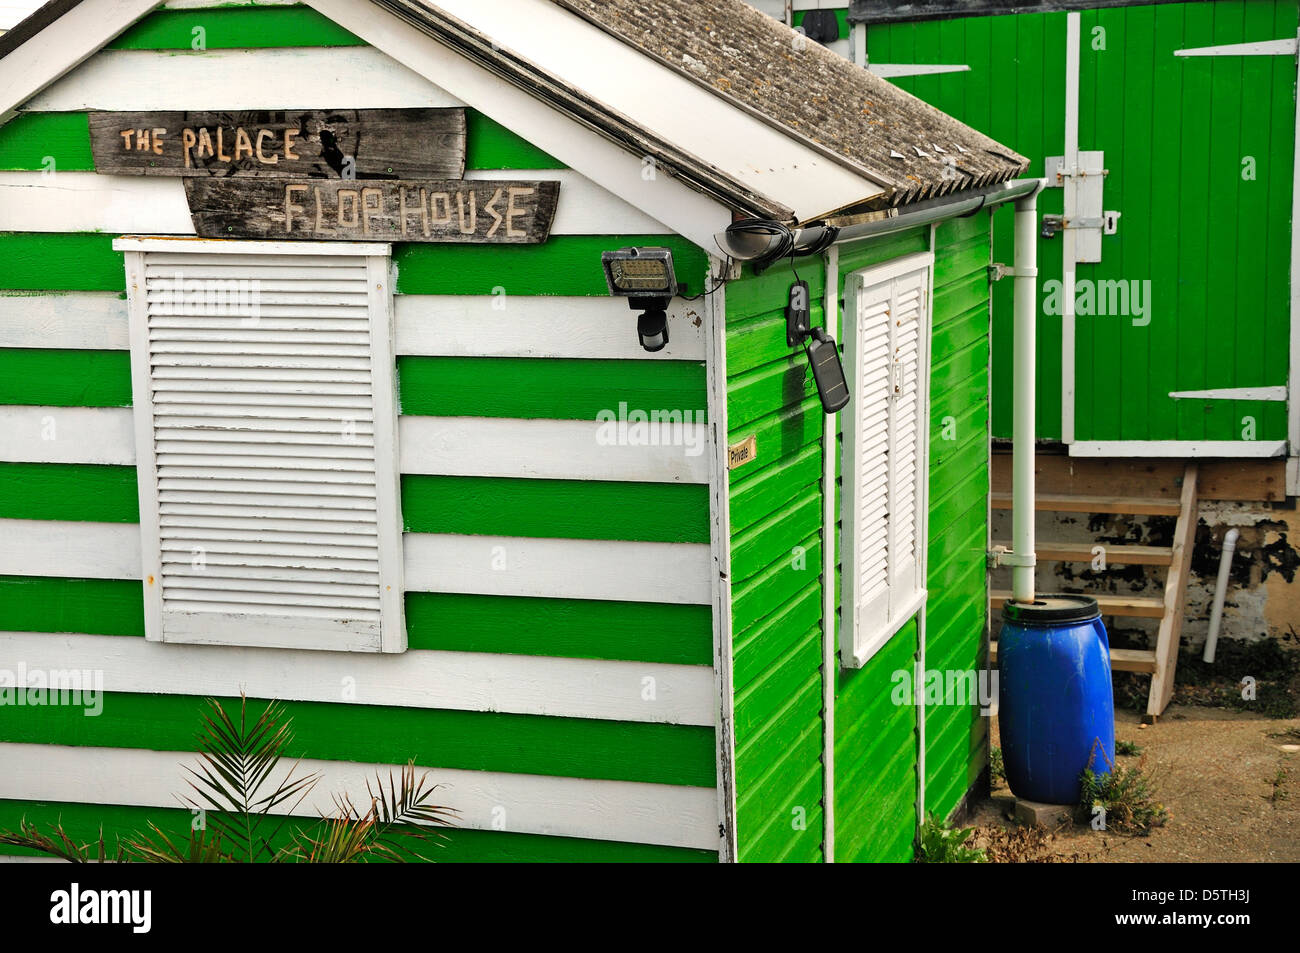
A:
[(66, 548), (522, 325), (305, 78), (444, 446), (515, 325), (461, 681), (87, 202), (637, 812), (101, 435), (576, 568), (547, 449), (87, 320), (565, 568), (90, 202)]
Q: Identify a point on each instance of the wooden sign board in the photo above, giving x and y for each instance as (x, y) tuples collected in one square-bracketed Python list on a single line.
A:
[(298, 143), (405, 210)]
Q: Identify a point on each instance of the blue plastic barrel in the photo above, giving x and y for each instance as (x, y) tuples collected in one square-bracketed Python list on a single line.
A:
[(1056, 711)]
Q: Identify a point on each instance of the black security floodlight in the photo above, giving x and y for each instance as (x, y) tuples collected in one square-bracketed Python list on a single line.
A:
[(645, 277), (640, 272)]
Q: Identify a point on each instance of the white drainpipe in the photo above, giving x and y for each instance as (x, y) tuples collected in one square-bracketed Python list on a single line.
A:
[(1022, 557), (1220, 588)]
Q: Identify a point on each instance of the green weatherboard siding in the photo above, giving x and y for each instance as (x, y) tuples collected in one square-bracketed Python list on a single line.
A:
[(571, 509), (60, 261), (776, 557), (477, 741), (68, 491), (92, 606), (56, 141), (58, 377), (563, 265), (83, 823), (567, 628), (558, 388), (488, 506), (449, 622), (776, 570), (61, 141), (490, 145), (221, 28)]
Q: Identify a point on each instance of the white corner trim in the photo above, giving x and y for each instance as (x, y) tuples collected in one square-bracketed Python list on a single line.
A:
[(720, 561)]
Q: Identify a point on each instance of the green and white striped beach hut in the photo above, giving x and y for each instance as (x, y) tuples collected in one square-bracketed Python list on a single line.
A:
[(426, 486)]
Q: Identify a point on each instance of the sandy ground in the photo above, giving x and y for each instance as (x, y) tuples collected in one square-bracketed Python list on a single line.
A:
[(1229, 780)]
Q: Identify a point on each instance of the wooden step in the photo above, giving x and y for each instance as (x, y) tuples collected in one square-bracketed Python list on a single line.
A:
[(1121, 660), (1093, 504), (1120, 555), (1135, 607)]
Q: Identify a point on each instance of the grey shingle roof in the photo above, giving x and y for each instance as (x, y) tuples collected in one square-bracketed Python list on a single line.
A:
[(763, 66)]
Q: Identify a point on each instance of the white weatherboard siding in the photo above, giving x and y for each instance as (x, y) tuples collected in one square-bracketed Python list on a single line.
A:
[(90, 202), (507, 324), (462, 681), (99, 435), (440, 446), (633, 811), (565, 568), (435, 562), (513, 324), (307, 78)]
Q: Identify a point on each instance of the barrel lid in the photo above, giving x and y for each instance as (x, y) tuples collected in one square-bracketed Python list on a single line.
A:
[(1052, 610)]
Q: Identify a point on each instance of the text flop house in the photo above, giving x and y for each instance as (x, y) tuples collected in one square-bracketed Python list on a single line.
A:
[(315, 388)]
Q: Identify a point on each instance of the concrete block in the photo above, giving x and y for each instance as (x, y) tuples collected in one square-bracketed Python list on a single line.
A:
[(1037, 814)]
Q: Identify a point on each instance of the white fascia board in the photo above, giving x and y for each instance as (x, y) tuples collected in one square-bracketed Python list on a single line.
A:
[(62, 45), (668, 104), (684, 210)]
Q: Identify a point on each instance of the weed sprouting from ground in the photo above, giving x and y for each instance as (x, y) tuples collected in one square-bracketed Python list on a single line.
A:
[(1123, 797), (943, 844)]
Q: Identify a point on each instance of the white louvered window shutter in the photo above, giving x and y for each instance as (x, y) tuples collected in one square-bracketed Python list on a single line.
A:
[(264, 384), (887, 351)]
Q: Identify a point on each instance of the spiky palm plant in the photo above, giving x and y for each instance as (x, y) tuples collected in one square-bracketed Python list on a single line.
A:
[(237, 789)]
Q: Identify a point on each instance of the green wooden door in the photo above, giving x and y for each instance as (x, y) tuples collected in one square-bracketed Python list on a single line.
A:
[(1200, 155)]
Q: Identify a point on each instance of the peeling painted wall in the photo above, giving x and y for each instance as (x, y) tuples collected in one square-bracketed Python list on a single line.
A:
[(1262, 601)]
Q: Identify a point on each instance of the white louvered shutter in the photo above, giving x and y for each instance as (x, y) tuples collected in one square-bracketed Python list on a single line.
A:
[(264, 383), (906, 434), (871, 398), (889, 346)]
